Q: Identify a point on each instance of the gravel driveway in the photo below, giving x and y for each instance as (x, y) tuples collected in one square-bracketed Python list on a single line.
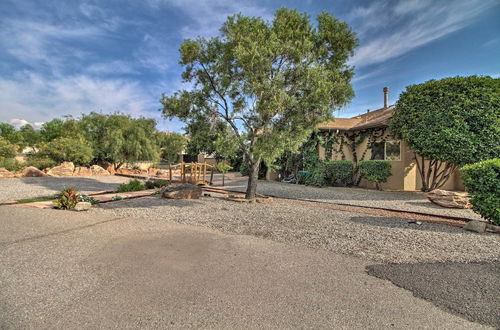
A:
[(306, 224), (18, 188), (396, 200)]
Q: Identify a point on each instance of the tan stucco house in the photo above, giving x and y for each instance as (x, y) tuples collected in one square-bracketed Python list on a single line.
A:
[(368, 136)]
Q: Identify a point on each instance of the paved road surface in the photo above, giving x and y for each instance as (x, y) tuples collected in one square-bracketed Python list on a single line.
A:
[(68, 270)]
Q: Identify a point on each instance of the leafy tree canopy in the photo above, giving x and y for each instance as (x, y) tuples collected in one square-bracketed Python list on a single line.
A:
[(7, 149), (453, 120), (119, 138), (270, 82), (9, 132), (31, 137), (67, 149), (171, 146)]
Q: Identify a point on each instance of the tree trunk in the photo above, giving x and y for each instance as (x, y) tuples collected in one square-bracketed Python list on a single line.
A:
[(223, 175), (253, 176), (435, 175)]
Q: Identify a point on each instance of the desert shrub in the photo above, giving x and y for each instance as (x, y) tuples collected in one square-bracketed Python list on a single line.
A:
[(40, 162), (67, 199), (10, 164), (88, 199), (156, 183), (132, 185), (377, 171), (317, 177), (339, 172), (482, 181)]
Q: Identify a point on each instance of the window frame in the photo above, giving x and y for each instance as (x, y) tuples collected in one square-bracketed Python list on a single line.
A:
[(385, 151)]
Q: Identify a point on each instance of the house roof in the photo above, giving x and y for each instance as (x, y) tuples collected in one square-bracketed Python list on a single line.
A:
[(376, 118)]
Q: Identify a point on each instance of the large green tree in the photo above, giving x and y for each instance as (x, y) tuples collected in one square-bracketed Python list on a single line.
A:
[(31, 137), (271, 82), (66, 149), (119, 139), (171, 146), (9, 132), (449, 123)]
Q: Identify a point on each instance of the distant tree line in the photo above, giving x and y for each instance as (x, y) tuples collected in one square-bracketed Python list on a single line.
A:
[(94, 138)]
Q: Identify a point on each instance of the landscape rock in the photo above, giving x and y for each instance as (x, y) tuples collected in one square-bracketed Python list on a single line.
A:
[(82, 206), (98, 171), (476, 226), (152, 171), (64, 169), (82, 171), (182, 191), (31, 171), (451, 199), (111, 169), (5, 174)]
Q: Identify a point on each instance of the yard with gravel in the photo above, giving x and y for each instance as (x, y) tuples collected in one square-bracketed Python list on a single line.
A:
[(154, 262)]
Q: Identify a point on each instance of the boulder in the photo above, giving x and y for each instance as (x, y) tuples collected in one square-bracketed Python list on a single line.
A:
[(476, 226), (152, 171), (82, 171), (5, 174), (82, 206), (452, 199), (111, 169), (181, 191), (31, 171), (64, 169), (163, 174), (98, 171)]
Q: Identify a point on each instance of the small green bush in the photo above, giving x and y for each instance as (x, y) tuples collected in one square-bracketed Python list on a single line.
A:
[(11, 164), (132, 185), (67, 199), (317, 176), (156, 183), (88, 199), (40, 162), (377, 171), (482, 181), (339, 172)]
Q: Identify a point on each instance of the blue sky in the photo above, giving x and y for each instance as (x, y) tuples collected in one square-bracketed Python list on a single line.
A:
[(70, 57)]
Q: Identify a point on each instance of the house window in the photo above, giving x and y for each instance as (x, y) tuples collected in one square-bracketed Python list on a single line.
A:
[(389, 150)]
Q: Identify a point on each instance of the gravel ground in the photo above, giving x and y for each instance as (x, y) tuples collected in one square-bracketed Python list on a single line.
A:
[(396, 200), (377, 238), (18, 188), (467, 289)]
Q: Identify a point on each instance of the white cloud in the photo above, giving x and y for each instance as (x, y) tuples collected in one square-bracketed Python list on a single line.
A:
[(37, 99), (207, 16), (393, 30)]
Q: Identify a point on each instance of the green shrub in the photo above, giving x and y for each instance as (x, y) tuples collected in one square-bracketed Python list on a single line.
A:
[(339, 172), (482, 181), (377, 171), (88, 199), (317, 176), (132, 185), (40, 162), (156, 183), (67, 199), (10, 164)]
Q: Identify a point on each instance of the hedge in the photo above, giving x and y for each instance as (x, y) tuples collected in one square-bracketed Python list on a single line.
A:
[(377, 171), (339, 172), (482, 181)]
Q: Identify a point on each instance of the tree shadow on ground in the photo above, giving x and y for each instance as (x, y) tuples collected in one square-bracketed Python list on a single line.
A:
[(469, 290), (389, 222), (80, 183)]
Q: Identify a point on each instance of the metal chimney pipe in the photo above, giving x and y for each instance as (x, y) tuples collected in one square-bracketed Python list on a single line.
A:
[(386, 97)]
